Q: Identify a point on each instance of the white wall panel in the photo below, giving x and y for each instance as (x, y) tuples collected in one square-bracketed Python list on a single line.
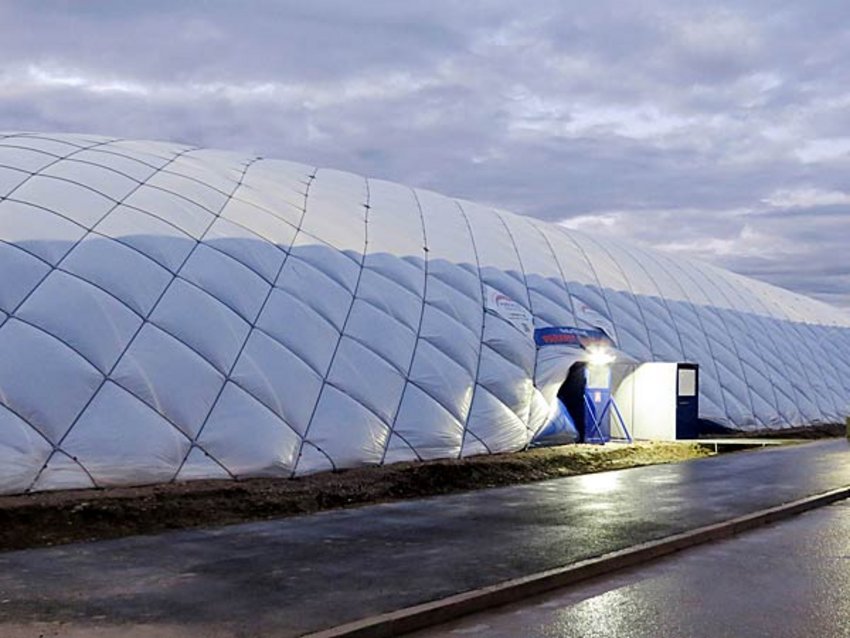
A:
[(22, 158), (299, 328), (22, 272), (42, 380), (125, 273), (11, 178), (361, 439), (164, 243), (107, 182), (92, 322), (22, 452), (247, 247), (44, 234), (226, 279), (126, 166), (247, 438), (193, 219), (62, 473), (80, 204), (119, 435), (279, 379), (202, 322), (170, 377)]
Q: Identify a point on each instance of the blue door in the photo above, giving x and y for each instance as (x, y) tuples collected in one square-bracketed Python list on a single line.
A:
[(687, 401)]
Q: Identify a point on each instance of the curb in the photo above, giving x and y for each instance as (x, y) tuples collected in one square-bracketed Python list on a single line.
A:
[(437, 612)]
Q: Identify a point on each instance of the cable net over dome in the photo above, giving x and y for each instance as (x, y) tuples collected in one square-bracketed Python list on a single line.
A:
[(174, 313)]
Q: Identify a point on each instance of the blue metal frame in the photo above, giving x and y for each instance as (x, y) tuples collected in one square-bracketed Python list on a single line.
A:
[(595, 421)]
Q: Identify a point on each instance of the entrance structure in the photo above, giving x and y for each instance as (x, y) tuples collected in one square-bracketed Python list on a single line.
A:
[(174, 313), (660, 400)]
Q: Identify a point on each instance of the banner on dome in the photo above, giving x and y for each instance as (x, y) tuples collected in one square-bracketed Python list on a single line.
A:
[(587, 316), (572, 336), (511, 311)]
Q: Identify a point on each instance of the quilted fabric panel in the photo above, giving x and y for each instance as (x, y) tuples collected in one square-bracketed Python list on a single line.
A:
[(172, 313)]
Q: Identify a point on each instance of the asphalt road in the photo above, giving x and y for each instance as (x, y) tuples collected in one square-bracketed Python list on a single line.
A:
[(788, 580), (287, 577)]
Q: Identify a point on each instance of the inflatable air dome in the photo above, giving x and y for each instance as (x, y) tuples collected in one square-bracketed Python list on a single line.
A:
[(170, 313)]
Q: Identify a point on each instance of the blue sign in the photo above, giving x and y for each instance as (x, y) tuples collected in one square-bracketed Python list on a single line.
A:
[(571, 336)]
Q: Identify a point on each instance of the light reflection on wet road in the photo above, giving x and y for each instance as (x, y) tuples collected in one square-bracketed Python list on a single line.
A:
[(788, 580), (287, 577)]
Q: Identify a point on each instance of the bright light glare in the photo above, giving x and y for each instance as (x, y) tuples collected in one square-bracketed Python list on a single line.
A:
[(600, 357)]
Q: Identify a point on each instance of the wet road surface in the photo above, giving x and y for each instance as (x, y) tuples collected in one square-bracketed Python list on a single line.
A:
[(287, 577), (788, 580)]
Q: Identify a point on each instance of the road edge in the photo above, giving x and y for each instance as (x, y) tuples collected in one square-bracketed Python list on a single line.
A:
[(440, 611)]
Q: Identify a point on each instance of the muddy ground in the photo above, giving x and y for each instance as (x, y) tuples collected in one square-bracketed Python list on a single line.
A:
[(822, 431), (50, 518)]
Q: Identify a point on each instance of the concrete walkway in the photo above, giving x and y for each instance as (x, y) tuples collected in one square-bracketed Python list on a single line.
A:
[(787, 580), (288, 577)]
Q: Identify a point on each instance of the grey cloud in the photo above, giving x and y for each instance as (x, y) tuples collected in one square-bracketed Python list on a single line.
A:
[(679, 121)]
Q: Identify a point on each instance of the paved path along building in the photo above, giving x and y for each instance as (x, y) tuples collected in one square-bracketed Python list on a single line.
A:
[(302, 574), (787, 580)]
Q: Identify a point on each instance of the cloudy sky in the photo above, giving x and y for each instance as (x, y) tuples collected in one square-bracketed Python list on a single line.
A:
[(714, 129)]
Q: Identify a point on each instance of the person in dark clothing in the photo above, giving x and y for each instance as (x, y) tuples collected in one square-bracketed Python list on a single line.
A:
[(571, 394)]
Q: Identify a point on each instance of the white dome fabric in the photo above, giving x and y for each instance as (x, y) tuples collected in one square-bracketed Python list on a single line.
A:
[(172, 313)]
